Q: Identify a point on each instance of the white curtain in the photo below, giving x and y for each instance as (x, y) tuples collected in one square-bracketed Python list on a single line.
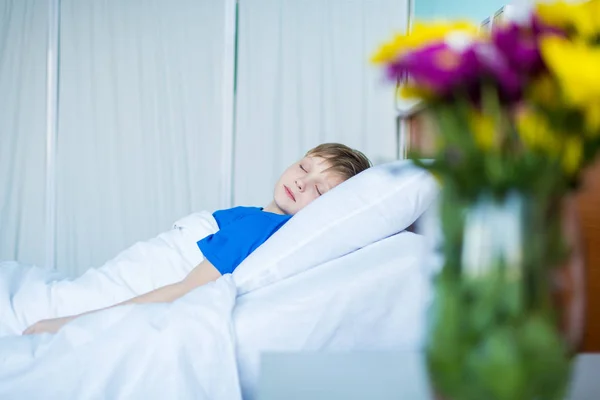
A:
[(304, 78), (139, 141), (23, 43), (141, 95)]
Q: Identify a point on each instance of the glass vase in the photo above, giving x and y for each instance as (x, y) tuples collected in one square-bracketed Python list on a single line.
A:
[(501, 328)]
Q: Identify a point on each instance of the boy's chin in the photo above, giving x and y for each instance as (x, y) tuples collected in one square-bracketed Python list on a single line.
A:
[(287, 207)]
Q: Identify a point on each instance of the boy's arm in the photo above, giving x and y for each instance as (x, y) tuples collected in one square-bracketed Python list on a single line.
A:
[(203, 273)]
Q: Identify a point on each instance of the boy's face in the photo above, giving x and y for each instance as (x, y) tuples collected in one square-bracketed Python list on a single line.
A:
[(303, 182)]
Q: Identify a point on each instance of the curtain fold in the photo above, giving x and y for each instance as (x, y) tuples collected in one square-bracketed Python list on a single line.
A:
[(139, 121), (23, 44), (304, 78)]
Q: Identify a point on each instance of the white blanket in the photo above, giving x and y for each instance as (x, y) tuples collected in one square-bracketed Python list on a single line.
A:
[(183, 350), (374, 298), (29, 294)]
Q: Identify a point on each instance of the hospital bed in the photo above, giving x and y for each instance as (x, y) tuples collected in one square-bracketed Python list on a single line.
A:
[(360, 282)]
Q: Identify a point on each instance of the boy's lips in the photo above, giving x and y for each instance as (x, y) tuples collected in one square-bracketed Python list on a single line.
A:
[(289, 193)]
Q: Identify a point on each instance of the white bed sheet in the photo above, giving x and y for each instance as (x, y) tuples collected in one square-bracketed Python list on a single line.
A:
[(373, 299)]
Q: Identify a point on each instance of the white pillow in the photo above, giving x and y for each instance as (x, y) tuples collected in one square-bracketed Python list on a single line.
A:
[(375, 204)]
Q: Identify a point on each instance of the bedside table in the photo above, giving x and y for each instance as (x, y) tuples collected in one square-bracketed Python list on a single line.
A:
[(375, 375)]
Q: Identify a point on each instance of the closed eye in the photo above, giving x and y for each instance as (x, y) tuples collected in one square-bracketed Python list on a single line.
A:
[(302, 168), (318, 191)]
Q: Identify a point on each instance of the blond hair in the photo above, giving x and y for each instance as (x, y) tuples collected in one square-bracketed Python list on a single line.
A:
[(343, 160)]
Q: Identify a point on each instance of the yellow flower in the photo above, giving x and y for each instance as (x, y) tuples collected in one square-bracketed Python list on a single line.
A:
[(582, 17), (421, 35), (544, 90), (572, 155), (484, 130), (575, 65), (589, 20), (592, 119), (536, 134), (388, 51), (415, 92), (556, 14)]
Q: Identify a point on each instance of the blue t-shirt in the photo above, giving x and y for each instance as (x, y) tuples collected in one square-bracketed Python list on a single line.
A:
[(241, 231)]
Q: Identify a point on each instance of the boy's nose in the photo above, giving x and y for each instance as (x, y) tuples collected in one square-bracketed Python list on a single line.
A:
[(300, 185)]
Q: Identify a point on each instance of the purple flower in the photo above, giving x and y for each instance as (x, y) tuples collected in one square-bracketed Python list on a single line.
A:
[(496, 67), (395, 71), (442, 69), (519, 44), (519, 47), (438, 68), (460, 64), (513, 56)]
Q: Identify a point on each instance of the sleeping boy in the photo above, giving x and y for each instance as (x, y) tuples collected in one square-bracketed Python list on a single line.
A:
[(243, 229)]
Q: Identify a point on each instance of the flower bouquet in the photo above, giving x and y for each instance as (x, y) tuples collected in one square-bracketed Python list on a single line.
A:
[(518, 115)]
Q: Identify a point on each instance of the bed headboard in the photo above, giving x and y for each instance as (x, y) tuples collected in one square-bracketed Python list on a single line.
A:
[(420, 136)]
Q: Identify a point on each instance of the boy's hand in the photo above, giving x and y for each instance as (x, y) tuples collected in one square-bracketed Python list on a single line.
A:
[(47, 326), (203, 273)]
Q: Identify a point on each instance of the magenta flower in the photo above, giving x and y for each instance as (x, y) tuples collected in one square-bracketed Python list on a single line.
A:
[(438, 68), (442, 69), (496, 67), (520, 44), (461, 64), (519, 47)]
